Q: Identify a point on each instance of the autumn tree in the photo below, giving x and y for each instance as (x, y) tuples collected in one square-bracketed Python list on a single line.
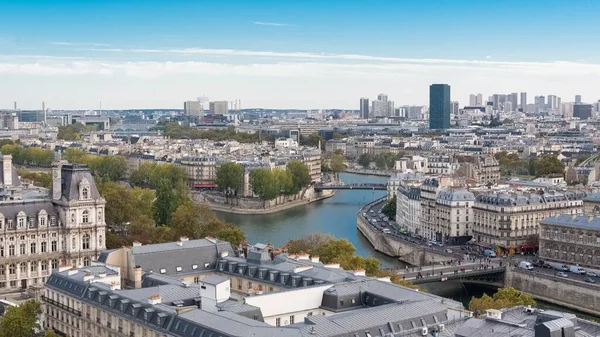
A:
[(312, 140), (165, 204), (337, 163), (310, 243), (503, 298), (38, 178), (21, 321)]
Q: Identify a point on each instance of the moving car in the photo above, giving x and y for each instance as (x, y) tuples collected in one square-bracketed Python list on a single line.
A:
[(562, 274), (489, 253), (589, 280), (559, 266), (537, 263), (577, 270), (591, 274)]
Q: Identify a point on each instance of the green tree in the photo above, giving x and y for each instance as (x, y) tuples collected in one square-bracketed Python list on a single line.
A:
[(70, 132), (336, 250), (312, 140), (510, 163), (263, 184), (503, 298), (109, 167), (165, 204), (371, 266), (38, 178), (311, 243), (365, 160), (390, 208), (300, 175), (75, 155), (230, 177), (380, 162), (21, 321), (283, 180), (337, 163), (546, 165)]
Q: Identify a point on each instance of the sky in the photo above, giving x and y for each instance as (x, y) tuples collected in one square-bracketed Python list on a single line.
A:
[(292, 54)]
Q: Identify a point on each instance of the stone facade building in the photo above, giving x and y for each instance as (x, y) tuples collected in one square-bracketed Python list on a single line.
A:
[(485, 170), (38, 233), (571, 239), (511, 219)]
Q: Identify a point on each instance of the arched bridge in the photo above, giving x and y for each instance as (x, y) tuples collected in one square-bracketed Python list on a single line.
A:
[(378, 187), (490, 276)]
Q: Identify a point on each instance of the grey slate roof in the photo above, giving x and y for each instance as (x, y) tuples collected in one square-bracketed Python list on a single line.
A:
[(202, 253), (574, 221), (31, 208), (72, 175)]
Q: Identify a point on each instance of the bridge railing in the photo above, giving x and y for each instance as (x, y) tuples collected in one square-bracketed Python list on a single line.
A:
[(459, 275)]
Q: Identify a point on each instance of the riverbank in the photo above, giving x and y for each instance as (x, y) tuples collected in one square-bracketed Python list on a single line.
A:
[(219, 207), (369, 172)]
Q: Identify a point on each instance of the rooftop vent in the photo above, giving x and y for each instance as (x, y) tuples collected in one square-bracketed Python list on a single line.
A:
[(137, 244), (154, 299)]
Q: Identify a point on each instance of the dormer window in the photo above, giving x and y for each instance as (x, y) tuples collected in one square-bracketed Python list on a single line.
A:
[(21, 217), (84, 190), (84, 193)]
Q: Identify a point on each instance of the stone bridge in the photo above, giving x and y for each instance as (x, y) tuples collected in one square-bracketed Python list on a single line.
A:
[(491, 276)]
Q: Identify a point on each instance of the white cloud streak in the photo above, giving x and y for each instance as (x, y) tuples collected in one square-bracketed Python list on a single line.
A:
[(273, 24), (61, 43)]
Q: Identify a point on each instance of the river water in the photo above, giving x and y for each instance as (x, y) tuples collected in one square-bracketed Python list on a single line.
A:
[(337, 216)]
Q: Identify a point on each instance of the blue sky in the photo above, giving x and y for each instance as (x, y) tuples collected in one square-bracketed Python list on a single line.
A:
[(304, 54)]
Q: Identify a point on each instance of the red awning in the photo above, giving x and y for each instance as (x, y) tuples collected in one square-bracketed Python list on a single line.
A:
[(532, 246)]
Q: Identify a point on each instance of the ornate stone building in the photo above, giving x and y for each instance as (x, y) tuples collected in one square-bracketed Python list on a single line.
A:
[(38, 233), (571, 239)]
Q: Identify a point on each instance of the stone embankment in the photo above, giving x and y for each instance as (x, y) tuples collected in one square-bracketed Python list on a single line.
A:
[(251, 206)]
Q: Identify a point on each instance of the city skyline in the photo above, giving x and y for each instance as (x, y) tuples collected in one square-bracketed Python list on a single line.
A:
[(149, 56)]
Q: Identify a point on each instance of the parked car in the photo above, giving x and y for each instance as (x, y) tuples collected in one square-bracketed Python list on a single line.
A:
[(448, 250), (538, 263), (562, 274), (589, 280), (592, 274)]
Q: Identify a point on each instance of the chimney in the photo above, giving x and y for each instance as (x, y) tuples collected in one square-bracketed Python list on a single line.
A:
[(314, 259), (360, 272), (57, 180), (137, 244), (154, 299), (7, 170), (184, 239), (88, 277)]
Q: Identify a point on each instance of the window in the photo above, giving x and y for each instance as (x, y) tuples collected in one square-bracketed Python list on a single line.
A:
[(84, 193), (33, 267), (54, 263), (178, 269), (74, 243), (52, 221), (42, 221), (53, 246), (22, 249), (9, 223), (33, 247), (12, 269), (163, 271), (100, 241), (87, 261), (11, 250), (194, 266), (44, 247), (85, 242), (277, 321), (85, 218), (292, 318), (23, 269), (45, 265), (1, 251), (21, 222)]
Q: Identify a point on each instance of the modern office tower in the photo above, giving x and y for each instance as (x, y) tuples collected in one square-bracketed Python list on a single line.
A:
[(558, 102), (192, 108), (364, 108), (479, 100), (577, 99), (439, 106), (472, 100), (218, 108), (496, 101), (454, 108), (551, 101), (540, 103), (582, 111), (566, 109), (513, 98), (15, 105), (524, 101)]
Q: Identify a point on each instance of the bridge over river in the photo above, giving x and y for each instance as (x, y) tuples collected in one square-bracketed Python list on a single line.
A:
[(358, 187)]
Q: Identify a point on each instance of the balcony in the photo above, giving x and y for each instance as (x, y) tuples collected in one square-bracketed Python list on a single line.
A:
[(61, 306)]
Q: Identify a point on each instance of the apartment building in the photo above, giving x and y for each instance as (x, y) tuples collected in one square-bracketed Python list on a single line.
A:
[(453, 222), (510, 219), (485, 170), (408, 209), (571, 239), (308, 299), (200, 171), (39, 232), (441, 165)]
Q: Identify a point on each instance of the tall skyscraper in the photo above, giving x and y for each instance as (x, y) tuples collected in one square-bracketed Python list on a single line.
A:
[(364, 108), (382, 107), (577, 99), (219, 107), (192, 108), (524, 101), (582, 111), (514, 101), (551, 101), (454, 109), (540, 103), (439, 106), (472, 100)]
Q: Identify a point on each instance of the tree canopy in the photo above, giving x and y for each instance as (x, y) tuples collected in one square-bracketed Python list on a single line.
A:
[(263, 184), (546, 165), (38, 178), (300, 175), (383, 161), (112, 168), (390, 208), (312, 140), (511, 163), (33, 156), (73, 132), (175, 130), (21, 321), (503, 298), (337, 163), (230, 176)]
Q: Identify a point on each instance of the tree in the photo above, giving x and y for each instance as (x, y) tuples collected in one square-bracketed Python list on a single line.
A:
[(21, 321), (165, 204), (38, 178), (336, 250), (188, 219), (510, 163), (230, 177), (337, 163), (312, 140), (284, 181), (309, 243), (390, 208), (109, 167), (300, 175), (371, 266), (51, 333), (503, 298), (546, 165), (365, 160), (75, 155), (263, 184)]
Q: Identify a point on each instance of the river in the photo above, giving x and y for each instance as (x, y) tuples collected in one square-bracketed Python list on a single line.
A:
[(337, 216)]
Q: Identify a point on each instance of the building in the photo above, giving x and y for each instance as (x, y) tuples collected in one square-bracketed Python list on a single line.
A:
[(219, 108), (513, 99), (577, 99), (571, 239), (454, 109), (9, 120), (286, 143), (408, 209), (510, 220), (364, 108), (39, 232), (285, 296), (439, 106), (582, 111), (523, 102), (200, 171), (382, 107), (192, 108), (453, 217), (485, 170), (441, 164), (336, 145)]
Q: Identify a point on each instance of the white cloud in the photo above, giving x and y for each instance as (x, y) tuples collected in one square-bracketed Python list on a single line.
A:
[(273, 24)]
